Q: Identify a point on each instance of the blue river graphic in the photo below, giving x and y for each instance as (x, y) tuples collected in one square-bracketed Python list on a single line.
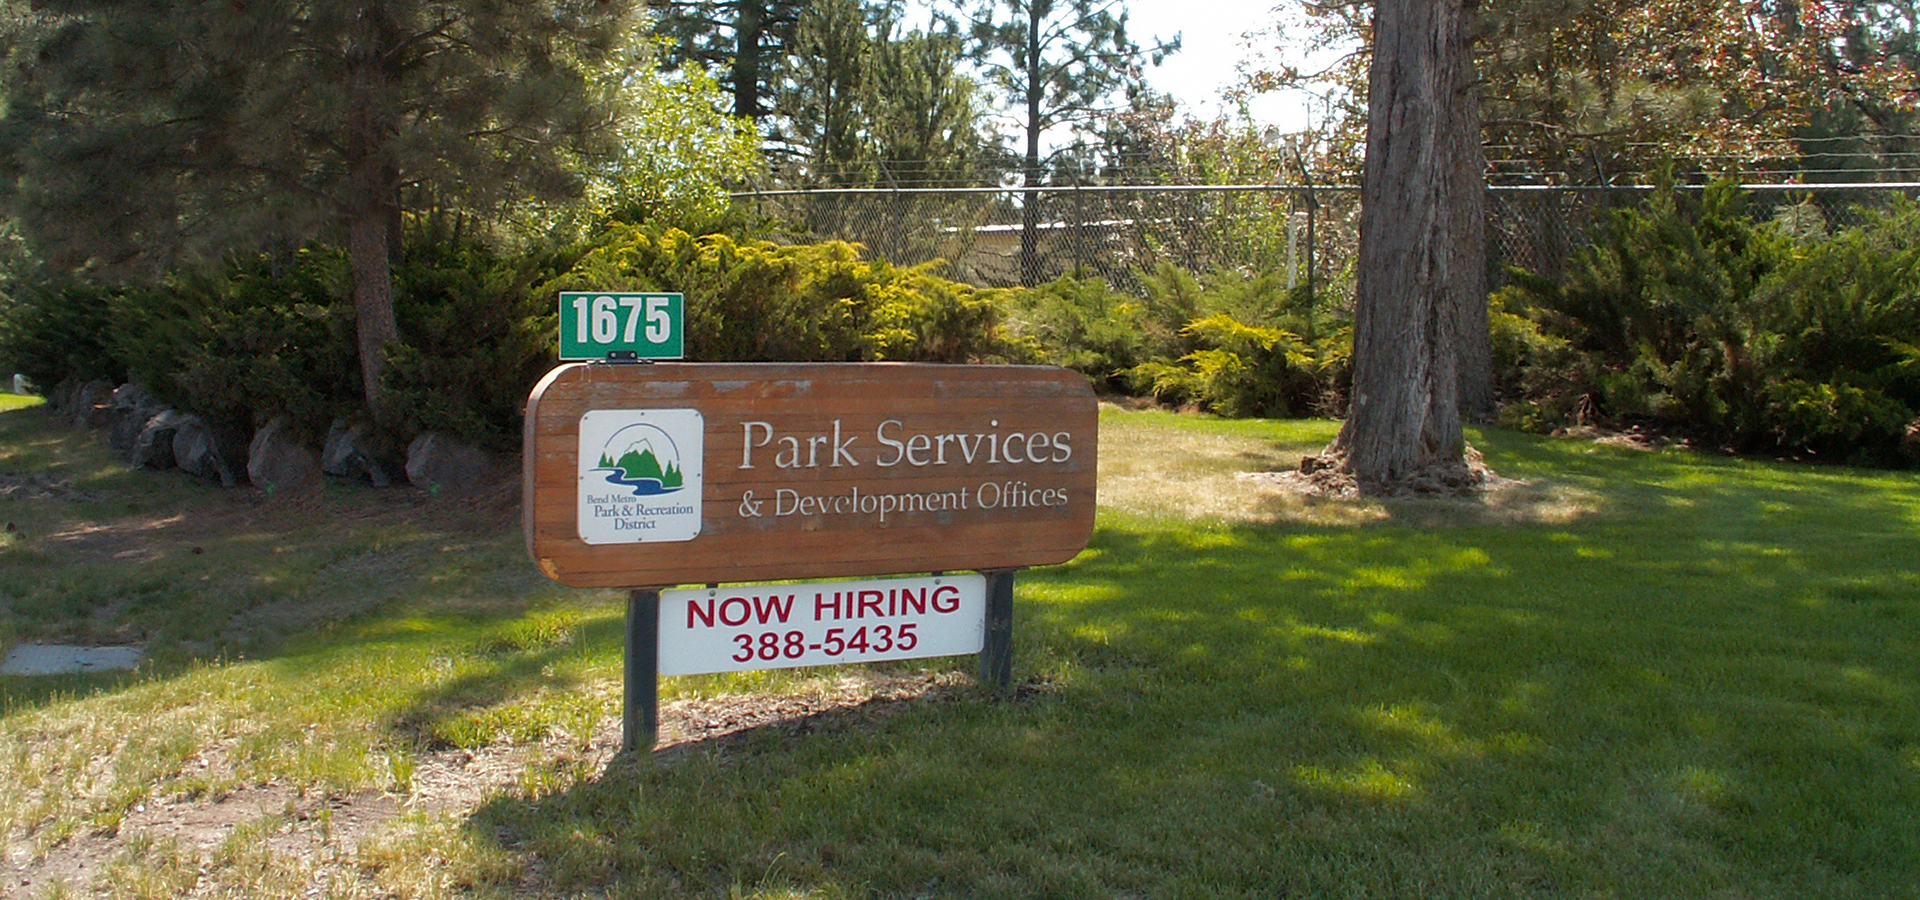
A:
[(642, 459)]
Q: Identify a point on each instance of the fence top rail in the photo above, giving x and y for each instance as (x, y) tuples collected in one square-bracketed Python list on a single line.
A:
[(1052, 189), (1304, 188), (1758, 188)]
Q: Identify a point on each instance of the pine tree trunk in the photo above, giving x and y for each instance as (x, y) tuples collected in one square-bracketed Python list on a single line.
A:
[(1420, 244), (370, 202), (1475, 349), (1030, 207), (749, 29), (374, 323)]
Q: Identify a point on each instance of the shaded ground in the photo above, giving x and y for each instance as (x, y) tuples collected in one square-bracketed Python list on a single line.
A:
[(331, 830)]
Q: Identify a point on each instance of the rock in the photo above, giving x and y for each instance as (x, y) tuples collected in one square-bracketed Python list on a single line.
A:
[(198, 451), (131, 396), (90, 406), (63, 659), (441, 465), (128, 411), (348, 454), (60, 396), (153, 448), (277, 463)]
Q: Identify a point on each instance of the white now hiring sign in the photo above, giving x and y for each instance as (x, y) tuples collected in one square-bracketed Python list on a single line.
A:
[(743, 628)]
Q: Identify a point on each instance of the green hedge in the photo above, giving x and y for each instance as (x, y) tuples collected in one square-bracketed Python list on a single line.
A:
[(1685, 312), (1228, 343)]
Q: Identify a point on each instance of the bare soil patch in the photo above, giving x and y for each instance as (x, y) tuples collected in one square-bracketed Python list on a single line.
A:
[(1327, 476)]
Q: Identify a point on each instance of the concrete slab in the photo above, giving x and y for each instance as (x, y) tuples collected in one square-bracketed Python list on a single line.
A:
[(61, 659)]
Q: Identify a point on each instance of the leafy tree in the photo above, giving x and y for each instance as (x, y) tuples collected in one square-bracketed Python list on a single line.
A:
[(1870, 116), (147, 133), (676, 151), (1595, 91), (1592, 90), (1056, 63)]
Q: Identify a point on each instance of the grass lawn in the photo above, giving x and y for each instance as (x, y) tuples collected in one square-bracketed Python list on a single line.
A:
[(1632, 675)]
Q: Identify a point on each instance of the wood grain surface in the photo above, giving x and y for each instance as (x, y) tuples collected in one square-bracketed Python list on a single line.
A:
[(987, 467)]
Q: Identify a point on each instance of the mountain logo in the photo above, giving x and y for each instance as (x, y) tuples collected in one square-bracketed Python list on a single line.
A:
[(640, 475), (648, 463)]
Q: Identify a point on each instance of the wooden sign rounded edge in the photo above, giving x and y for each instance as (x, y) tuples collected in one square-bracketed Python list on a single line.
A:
[(541, 546)]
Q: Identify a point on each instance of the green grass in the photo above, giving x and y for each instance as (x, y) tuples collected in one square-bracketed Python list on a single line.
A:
[(1639, 675)]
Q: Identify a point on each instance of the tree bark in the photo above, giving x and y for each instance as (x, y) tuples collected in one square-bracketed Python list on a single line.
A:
[(375, 325), (1420, 247), (749, 29), (370, 205), (1470, 268)]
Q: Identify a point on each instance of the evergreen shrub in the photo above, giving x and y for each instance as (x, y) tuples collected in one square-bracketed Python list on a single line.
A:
[(1228, 342), (242, 344), (754, 300), (1758, 336), (55, 329), (1082, 324), (477, 332)]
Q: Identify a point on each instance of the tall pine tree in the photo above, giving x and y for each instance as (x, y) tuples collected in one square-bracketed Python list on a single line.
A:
[(820, 104), (1054, 62), (146, 133), (747, 42), (869, 101), (924, 112)]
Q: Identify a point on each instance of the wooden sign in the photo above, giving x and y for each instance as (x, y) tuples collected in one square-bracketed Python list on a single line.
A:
[(687, 473)]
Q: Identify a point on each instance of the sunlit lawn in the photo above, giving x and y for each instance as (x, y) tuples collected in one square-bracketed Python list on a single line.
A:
[(1638, 675)]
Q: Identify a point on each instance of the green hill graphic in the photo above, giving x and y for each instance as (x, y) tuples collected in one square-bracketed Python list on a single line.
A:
[(644, 464)]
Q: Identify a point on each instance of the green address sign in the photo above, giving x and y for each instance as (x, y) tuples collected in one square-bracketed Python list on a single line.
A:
[(650, 326)]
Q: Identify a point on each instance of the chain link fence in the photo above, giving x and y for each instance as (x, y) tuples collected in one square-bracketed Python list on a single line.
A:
[(1001, 237)]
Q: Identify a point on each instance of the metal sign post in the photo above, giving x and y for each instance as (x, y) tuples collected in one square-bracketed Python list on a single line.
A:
[(640, 692), (996, 656)]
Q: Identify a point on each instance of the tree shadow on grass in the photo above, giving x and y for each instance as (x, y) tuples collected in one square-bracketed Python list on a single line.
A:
[(509, 667), (1618, 704)]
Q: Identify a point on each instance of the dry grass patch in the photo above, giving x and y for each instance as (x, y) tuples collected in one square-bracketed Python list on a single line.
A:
[(1242, 473)]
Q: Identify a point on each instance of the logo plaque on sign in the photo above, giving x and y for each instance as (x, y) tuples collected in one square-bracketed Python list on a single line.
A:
[(641, 475)]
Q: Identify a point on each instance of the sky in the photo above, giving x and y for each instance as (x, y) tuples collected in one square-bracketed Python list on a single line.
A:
[(1213, 44)]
